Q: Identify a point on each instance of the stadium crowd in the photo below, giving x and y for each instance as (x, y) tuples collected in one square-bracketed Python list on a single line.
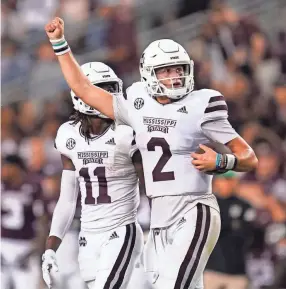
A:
[(232, 54)]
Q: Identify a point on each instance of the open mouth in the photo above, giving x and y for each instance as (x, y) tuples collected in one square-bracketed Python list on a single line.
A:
[(177, 84)]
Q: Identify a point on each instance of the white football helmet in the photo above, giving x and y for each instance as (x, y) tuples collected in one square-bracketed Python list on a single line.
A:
[(99, 74), (162, 53)]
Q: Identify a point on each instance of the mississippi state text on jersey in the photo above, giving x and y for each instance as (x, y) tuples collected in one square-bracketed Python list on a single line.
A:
[(107, 177)]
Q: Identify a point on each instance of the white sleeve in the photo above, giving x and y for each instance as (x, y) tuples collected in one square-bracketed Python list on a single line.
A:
[(216, 108), (66, 205), (219, 130), (60, 144), (120, 110)]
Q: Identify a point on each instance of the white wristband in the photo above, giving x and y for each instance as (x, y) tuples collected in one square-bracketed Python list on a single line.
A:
[(60, 46), (57, 40), (230, 161)]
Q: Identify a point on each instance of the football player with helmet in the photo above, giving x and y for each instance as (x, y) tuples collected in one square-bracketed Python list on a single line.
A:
[(171, 121), (102, 160)]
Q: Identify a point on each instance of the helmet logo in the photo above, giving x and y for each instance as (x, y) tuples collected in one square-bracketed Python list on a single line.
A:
[(138, 103), (70, 144)]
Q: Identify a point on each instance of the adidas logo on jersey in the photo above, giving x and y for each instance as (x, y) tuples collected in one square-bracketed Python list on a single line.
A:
[(182, 109), (82, 241), (113, 236), (111, 141), (182, 221)]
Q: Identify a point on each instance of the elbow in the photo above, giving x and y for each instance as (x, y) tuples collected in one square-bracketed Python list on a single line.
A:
[(253, 163), (248, 164)]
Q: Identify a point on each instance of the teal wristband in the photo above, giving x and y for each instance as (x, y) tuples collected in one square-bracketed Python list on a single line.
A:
[(60, 46), (218, 161)]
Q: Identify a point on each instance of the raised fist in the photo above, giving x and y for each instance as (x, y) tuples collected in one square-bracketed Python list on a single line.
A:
[(55, 28)]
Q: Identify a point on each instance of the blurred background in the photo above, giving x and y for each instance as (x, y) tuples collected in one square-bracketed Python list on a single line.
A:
[(239, 48)]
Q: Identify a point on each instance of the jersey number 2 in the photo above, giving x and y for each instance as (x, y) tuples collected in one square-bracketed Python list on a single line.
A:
[(157, 173), (103, 197)]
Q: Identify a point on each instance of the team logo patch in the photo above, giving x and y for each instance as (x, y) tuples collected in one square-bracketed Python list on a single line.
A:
[(70, 144), (159, 124), (138, 103), (82, 242)]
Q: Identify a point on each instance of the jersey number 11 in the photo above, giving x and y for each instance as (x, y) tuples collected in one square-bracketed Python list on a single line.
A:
[(103, 197)]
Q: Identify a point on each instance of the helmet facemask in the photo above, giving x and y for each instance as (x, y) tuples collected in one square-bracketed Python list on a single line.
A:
[(156, 87), (111, 86), (166, 53)]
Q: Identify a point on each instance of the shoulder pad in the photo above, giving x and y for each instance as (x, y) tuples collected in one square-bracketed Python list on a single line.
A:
[(207, 93), (213, 104), (137, 89), (65, 138)]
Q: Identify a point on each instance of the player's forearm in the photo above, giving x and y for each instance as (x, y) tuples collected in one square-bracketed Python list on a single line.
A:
[(53, 243), (246, 158), (77, 81), (74, 76), (83, 88), (66, 205), (246, 161), (62, 218)]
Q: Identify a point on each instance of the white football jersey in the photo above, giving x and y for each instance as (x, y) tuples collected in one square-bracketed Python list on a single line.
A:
[(107, 178), (166, 135)]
